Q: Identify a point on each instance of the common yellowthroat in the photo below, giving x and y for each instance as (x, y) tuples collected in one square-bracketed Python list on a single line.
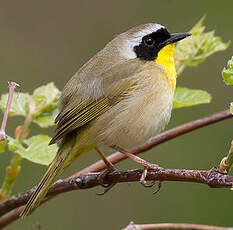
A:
[(120, 98)]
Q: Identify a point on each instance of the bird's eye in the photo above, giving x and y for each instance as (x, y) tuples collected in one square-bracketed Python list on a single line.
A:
[(149, 42)]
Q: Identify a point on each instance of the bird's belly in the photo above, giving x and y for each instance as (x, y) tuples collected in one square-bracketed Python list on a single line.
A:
[(137, 118)]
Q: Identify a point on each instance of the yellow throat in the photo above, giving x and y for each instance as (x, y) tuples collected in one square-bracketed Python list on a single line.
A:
[(166, 59)]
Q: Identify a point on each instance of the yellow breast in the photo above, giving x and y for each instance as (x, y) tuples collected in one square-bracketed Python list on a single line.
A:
[(166, 59)]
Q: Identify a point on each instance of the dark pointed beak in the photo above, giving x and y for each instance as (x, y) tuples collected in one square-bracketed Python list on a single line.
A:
[(175, 38)]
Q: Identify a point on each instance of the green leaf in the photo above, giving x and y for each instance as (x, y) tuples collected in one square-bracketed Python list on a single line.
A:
[(227, 73), (2, 146), (19, 105), (231, 107), (189, 97), (195, 49), (44, 100), (38, 150), (35, 149), (46, 119)]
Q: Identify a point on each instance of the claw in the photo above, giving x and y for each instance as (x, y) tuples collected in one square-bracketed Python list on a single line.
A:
[(149, 185), (143, 179), (102, 176), (104, 185), (107, 189), (143, 176), (158, 187)]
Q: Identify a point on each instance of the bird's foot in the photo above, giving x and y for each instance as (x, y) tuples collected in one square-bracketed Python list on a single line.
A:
[(110, 168), (101, 177), (147, 165), (143, 179), (144, 183)]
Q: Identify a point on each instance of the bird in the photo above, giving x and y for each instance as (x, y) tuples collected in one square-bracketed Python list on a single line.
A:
[(120, 98)]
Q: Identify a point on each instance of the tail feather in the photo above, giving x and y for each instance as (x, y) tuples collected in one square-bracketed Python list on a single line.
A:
[(56, 168)]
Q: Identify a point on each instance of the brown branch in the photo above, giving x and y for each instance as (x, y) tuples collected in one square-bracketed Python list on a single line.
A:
[(11, 207), (212, 178), (161, 138), (173, 226), (11, 86), (10, 217)]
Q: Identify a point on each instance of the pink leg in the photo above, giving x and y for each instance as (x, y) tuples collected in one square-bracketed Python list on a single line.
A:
[(147, 165), (110, 168)]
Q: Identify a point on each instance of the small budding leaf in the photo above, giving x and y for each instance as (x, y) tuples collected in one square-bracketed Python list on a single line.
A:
[(195, 49), (44, 100), (2, 146), (189, 97), (19, 105), (227, 73), (231, 107), (13, 144), (35, 149)]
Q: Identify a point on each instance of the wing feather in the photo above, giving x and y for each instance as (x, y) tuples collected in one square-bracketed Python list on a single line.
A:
[(79, 111)]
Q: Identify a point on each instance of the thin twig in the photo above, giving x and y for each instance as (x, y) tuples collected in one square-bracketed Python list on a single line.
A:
[(11, 86), (161, 138), (173, 226), (14, 168)]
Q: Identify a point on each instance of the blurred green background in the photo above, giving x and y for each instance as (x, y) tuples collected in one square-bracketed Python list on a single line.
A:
[(44, 41)]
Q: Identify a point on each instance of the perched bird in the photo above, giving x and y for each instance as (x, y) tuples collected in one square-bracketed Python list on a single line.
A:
[(120, 98)]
